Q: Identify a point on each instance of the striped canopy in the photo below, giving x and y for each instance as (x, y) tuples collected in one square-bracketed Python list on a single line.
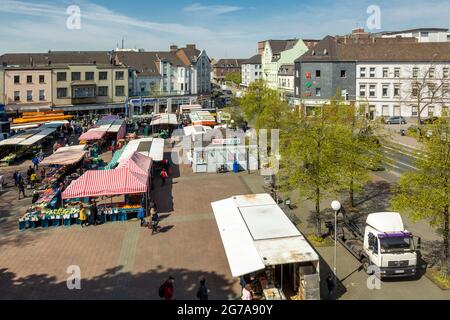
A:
[(130, 178)]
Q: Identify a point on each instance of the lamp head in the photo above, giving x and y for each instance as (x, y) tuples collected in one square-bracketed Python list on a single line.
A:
[(336, 205)]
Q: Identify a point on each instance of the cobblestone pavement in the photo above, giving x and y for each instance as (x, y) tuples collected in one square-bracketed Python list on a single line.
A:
[(122, 260)]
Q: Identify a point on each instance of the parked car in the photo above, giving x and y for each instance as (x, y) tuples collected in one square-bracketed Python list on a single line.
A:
[(396, 120)]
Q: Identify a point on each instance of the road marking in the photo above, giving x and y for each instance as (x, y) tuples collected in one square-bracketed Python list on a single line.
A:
[(402, 152), (400, 162)]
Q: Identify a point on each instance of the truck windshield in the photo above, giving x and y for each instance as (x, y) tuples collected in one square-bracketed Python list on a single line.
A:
[(395, 244)]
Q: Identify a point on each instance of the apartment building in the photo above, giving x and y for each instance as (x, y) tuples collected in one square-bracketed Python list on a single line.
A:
[(27, 89), (224, 67), (69, 81), (278, 53), (421, 34), (251, 70), (286, 81), (180, 71), (381, 74)]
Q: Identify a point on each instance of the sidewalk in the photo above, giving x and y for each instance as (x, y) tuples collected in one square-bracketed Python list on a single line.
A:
[(394, 137)]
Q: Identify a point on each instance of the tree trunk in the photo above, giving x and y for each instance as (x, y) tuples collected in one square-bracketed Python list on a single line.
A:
[(446, 260), (352, 193), (318, 219)]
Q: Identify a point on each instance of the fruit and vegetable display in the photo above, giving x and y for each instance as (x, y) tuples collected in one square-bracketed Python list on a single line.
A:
[(50, 214), (10, 157)]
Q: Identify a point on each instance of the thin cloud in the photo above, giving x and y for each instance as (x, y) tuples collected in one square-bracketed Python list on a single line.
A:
[(212, 10)]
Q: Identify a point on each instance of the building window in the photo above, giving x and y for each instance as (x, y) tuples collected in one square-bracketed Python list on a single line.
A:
[(424, 34), (119, 75), (61, 93), (317, 73), (396, 111), (431, 111), (103, 75), (76, 76), (396, 90), (414, 91), (414, 111), (385, 90), (445, 89), (343, 74), (296, 73), (431, 73), (385, 72), (385, 111), (362, 72), (182, 87), (396, 72), (415, 72), (16, 96), (89, 76), (61, 76), (41, 95), (29, 79), (41, 79), (296, 91), (29, 95), (318, 92), (120, 91), (102, 91), (372, 72), (16, 79), (445, 73), (84, 92), (372, 89), (362, 90)]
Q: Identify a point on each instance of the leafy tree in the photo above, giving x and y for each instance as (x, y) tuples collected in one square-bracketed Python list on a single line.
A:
[(360, 151), (310, 153), (234, 77), (425, 193)]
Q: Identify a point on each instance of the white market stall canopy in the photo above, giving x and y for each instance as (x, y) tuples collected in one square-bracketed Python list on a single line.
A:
[(256, 233), (66, 155), (115, 127), (150, 147), (37, 137), (164, 119), (28, 138)]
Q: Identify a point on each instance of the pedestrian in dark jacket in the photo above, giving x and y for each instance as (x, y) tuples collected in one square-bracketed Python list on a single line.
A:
[(22, 189), (16, 178), (202, 292), (330, 286)]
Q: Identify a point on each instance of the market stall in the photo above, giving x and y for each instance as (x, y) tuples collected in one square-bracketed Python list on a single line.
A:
[(265, 248), (202, 118), (66, 156), (130, 178)]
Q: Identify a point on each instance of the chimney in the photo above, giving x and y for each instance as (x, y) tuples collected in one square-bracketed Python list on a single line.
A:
[(173, 48), (190, 46)]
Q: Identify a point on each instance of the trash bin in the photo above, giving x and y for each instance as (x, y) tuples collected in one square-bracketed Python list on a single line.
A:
[(235, 167)]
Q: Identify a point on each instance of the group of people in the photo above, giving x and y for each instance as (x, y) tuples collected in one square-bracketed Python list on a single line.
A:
[(89, 213), (166, 290), (34, 175)]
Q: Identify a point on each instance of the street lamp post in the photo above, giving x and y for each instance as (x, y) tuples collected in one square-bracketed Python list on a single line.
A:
[(336, 206)]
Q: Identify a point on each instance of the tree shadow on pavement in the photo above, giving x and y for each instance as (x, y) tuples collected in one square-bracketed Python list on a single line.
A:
[(114, 283)]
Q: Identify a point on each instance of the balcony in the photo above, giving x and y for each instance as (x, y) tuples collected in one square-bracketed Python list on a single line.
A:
[(84, 94)]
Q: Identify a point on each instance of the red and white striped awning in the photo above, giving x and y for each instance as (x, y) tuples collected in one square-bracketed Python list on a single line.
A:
[(131, 178)]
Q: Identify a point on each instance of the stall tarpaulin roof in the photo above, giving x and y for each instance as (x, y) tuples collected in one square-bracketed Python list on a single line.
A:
[(116, 125), (37, 137), (157, 149), (93, 134), (66, 156), (137, 163), (15, 140), (128, 179), (256, 233), (164, 119)]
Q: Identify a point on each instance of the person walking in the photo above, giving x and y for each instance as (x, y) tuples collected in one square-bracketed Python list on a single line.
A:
[(16, 178), (35, 163), (163, 177), (141, 215), (21, 187), (33, 179), (330, 286), (202, 292), (94, 212), (30, 171), (42, 173), (83, 216)]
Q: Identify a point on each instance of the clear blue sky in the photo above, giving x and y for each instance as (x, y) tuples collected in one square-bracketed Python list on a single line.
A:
[(226, 29)]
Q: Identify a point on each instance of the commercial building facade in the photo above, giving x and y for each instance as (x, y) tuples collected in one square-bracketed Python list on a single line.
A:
[(387, 76), (421, 34), (224, 67), (251, 70)]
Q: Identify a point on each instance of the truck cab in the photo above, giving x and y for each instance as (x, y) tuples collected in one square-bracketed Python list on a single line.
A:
[(388, 247)]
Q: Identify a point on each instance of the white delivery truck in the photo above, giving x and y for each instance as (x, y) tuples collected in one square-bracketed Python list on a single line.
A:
[(384, 244)]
